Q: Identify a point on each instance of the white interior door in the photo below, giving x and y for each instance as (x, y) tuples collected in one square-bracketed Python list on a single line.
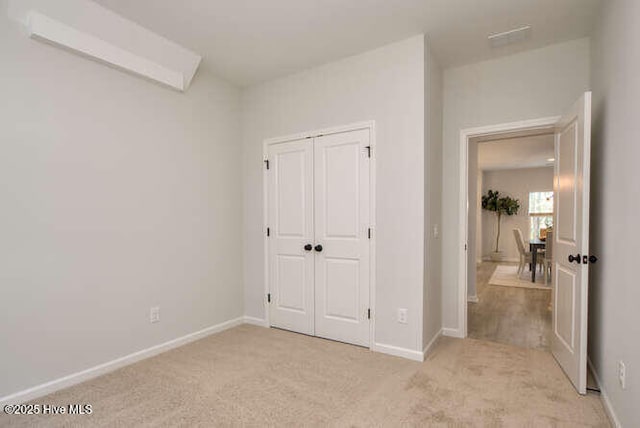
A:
[(342, 236), (290, 220), (571, 242)]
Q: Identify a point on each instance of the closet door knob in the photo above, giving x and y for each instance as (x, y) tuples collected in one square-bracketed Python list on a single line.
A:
[(318, 248), (575, 258), (308, 247)]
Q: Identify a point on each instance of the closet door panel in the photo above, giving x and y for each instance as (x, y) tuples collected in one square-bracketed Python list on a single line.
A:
[(290, 220), (341, 208)]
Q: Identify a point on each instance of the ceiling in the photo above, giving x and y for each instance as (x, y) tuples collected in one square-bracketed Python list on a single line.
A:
[(513, 153), (249, 41)]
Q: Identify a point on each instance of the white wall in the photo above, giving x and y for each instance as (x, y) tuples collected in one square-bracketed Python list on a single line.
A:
[(385, 85), (614, 319), (473, 210), (116, 195), (432, 296), (516, 183), (474, 237), (478, 223), (532, 84)]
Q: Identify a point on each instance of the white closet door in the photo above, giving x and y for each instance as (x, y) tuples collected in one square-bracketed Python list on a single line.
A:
[(341, 230), (290, 220)]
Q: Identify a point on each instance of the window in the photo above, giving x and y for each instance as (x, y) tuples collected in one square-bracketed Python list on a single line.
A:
[(540, 212)]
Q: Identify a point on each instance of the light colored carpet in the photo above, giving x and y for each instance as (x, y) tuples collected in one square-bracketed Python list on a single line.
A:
[(507, 276), (250, 376)]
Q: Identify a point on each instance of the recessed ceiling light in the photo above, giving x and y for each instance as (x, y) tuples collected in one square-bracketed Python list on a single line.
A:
[(509, 37), (551, 160)]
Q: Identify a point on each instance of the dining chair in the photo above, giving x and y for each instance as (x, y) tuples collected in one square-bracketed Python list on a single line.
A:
[(526, 257), (548, 257)]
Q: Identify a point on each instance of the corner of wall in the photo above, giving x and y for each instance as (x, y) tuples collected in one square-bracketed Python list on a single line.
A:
[(432, 297)]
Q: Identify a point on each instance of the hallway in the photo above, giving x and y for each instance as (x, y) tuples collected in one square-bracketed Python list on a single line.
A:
[(510, 315)]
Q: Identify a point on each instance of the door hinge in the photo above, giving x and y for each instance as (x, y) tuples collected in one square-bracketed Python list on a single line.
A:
[(368, 151), (368, 314), (268, 232), (369, 233), (268, 297), (465, 247), (266, 163)]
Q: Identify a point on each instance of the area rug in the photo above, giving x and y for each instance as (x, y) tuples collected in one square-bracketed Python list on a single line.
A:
[(507, 276)]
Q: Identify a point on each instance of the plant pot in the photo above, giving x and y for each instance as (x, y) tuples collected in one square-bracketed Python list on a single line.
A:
[(497, 256)]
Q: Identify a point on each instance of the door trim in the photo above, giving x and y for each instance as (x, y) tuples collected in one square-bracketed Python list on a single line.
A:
[(370, 125), (541, 124)]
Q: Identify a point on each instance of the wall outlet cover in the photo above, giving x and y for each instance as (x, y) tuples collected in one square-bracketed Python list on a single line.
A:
[(622, 374), (154, 314), (402, 315)]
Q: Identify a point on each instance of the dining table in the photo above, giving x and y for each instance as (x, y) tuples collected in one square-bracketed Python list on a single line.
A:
[(534, 246)]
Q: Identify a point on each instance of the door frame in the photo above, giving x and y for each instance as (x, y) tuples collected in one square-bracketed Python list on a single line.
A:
[(371, 126), (541, 124)]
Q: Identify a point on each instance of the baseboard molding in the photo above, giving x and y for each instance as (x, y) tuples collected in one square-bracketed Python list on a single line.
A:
[(99, 370), (452, 332), (473, 299), (432, 343), (376, 347), (608, 408), (506, 260), (398, 351), (255, 321)]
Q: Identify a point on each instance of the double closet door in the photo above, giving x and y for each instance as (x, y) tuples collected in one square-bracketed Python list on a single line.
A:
[(319, 237)]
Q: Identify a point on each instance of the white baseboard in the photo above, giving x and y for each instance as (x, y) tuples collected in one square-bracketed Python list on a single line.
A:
[(452, 332), (505, 260), (429, 347), (473, 299), (255, 321), (377, 347), (398, 351), (608, 408), (93, 372)]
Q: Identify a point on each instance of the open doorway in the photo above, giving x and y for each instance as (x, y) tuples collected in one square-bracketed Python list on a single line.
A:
[(570, 258), (510, 214)]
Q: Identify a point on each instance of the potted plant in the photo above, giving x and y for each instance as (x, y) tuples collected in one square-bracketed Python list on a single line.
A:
[(504, 205)]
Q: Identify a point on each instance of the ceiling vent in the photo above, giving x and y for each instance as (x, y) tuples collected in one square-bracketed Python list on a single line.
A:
[(510, 37)]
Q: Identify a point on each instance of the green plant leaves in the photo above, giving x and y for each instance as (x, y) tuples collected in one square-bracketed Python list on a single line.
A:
[(506, 205)]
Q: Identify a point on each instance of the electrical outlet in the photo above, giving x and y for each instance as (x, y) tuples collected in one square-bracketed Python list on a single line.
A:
[(154, 314), (622, 374), (436, 231), (402, 315)]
